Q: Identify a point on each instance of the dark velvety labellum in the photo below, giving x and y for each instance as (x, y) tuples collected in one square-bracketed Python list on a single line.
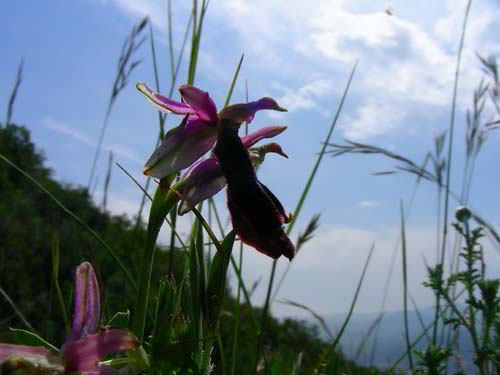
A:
[(257, 215)]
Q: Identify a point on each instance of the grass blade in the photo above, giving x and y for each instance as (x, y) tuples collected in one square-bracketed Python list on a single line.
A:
[(405, 286), (233, 83), (124, 69), (55, 279), (449, 158), (16, 309), (333, 345), (13, 95)]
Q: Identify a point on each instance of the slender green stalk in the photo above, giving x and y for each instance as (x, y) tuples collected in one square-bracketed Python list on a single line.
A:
[(170, 42), (196, 38), (94, 234), (13, 94), (333, 345), (405, 287), (16, 310), (306, 190), (125, 68), (240, 266), (233, 83), (222, 355), (419, 316), (55, 279), (449, 159)]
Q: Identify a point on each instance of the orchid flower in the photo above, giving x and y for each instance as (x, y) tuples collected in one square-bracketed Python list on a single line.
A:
[(197, 132), (86, 345), (257, 215)]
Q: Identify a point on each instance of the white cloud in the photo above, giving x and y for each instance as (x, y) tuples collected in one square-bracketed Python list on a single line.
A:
[(68, 131), (372, 119), (306, 97), (369, 204)]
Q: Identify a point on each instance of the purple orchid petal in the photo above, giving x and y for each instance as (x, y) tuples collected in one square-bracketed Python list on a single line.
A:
[(87, 304), (236, 114), (204, 179), (181, 149), (23, 351), (201, 102), (257, 215), (164, 104), (266, 132), (84, 354)]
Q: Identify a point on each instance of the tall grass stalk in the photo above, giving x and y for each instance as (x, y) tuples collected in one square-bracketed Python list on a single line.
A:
[(124, 69), (16, 309), (234, 351), (449, 161), (301, 202), (55, 280), (13, 95), (172, 86), (107, 181), (405, 286)]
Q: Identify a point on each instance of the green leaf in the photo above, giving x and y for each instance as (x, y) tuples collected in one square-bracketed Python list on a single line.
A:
[(163, 201), (120, 319), (202, 270), (23, 337), (217, 279), (194, 275)]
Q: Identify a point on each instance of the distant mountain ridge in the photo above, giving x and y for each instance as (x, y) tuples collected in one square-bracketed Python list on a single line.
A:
[(391, 343)]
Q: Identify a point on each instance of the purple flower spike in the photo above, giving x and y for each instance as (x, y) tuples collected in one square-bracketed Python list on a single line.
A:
[(204, 180), (84, 354), (179, 150), (201, 102), (87, 304), (266, 132)]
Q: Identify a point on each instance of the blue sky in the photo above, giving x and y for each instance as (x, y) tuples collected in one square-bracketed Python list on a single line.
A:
[(301, 55)]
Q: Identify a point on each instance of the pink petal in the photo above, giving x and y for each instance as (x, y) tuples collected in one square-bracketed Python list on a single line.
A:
[(84, 354), (164, 104), (236, 114), (266, 132), (204, 179), (87, 304), (178, 151), (201, 102), (24, 351)]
